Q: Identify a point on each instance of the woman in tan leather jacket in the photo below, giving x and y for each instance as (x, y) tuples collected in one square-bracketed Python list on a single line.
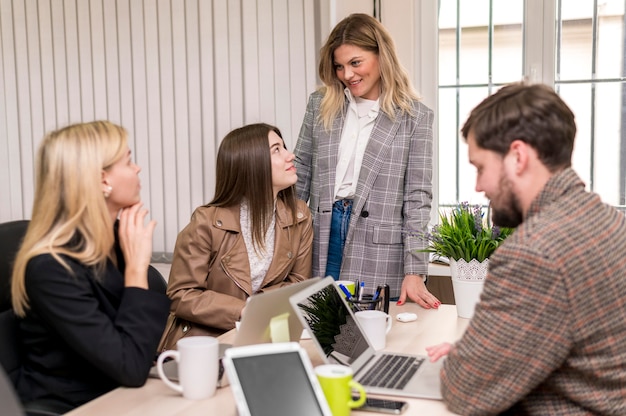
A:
[(253, 236)]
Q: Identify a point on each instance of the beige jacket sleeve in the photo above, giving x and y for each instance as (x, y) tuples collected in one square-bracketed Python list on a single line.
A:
[(195, 256), (210, 276)]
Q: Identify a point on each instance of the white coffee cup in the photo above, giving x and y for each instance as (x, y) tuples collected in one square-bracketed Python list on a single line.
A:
[(376, 325), (198, 361)]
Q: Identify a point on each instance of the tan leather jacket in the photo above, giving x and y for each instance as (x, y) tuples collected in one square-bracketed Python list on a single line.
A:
[(210, 276)]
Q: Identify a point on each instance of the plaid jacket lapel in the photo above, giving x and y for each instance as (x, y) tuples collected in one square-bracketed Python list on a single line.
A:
[(383, 134), (328, 153)]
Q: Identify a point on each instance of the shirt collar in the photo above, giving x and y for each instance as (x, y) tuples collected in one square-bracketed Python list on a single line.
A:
[(352, 100)]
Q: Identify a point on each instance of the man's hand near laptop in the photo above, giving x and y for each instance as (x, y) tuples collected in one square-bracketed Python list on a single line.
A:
[(436, 352)]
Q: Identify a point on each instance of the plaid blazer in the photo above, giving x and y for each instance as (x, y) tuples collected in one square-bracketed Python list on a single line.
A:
[(393, 194), (548, 336)]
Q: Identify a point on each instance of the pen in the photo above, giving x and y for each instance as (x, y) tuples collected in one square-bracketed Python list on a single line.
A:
[(386, 298), (375, 297), (348, 296), (345, 291), (377, 293), (361, 290)]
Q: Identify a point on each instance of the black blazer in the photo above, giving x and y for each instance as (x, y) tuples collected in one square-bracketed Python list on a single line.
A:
[(84, 336)]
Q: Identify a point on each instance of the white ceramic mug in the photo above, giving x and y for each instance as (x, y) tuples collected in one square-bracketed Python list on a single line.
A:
[(198, 362), (376, 325)]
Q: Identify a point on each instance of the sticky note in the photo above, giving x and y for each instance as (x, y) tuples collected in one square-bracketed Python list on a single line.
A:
[(279, 328)]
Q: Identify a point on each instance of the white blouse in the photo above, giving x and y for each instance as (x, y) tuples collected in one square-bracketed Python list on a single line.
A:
[(357, 129), (260, 258)]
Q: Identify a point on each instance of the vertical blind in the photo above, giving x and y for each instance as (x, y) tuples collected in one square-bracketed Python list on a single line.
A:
[(177, 74)]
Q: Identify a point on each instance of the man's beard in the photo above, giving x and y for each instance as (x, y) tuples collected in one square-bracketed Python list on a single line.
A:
[(506, 211)]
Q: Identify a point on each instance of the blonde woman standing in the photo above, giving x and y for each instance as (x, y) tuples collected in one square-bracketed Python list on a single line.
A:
[(364, 155), (87, 321)]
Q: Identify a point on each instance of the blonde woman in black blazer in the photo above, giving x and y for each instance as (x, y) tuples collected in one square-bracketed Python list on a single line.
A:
[(366, 147), (88, 322)]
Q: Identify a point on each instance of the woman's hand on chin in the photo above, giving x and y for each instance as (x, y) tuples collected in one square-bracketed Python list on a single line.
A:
[(136, 242)]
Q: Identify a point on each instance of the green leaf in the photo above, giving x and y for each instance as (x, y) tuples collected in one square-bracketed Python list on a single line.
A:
[(463, 234)]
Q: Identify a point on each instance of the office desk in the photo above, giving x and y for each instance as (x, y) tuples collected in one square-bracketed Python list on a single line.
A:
[(155, 398)]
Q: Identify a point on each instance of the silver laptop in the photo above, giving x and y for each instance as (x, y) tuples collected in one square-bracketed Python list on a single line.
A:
[(255, 324), (340, 339), (261, 309)]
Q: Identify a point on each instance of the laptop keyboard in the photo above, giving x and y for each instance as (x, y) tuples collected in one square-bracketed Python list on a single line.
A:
[(392, 371)]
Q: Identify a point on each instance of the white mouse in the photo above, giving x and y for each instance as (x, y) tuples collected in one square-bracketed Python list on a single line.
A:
[(406, 317)]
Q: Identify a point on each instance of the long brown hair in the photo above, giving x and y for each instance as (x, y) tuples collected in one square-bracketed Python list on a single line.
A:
[(244, 171)]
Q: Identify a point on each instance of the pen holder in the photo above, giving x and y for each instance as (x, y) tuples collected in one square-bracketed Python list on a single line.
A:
[(367, 301)]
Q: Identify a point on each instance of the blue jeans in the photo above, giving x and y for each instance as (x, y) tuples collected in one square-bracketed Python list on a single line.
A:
[(342, 210)]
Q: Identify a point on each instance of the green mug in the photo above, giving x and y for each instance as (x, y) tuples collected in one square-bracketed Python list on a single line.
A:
[(337, 384)]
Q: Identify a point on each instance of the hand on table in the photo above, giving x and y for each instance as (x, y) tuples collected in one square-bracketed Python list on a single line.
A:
[(413, 286), (435, 352)]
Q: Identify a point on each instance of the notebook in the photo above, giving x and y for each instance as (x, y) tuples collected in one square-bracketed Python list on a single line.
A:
[(274, 379), (344, 342)]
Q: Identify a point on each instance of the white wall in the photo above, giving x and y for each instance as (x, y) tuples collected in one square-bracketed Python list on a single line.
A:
[(178, 74)]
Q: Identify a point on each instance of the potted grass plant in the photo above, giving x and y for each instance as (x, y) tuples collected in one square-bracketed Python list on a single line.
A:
[(467, 240), (325, 316)]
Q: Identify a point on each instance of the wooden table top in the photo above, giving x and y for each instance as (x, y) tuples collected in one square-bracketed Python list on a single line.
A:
[(155, 398)]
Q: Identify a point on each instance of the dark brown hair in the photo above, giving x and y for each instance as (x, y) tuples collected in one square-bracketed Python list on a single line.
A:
[(534, 114), (244, 171)]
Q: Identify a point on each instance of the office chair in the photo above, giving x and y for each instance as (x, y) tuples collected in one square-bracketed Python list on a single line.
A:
[(11, 405), (11, 235), (10, 358), (156, 281)]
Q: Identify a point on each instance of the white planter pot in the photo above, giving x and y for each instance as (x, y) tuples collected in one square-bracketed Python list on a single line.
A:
[(467, 283)]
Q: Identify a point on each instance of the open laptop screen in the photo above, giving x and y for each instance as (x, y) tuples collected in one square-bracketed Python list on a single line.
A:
[(333, 325)]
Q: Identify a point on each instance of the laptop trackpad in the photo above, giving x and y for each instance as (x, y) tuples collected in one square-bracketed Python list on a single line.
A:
[(427, 381)]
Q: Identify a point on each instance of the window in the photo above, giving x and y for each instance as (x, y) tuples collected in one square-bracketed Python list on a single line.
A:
[(576, 46)]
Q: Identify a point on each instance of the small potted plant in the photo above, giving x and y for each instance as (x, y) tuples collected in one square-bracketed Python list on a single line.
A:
[(325, 316), (467, 240)]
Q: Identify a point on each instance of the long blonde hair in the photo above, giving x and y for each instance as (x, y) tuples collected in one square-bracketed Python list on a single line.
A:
[(365, 32), (70, 216)]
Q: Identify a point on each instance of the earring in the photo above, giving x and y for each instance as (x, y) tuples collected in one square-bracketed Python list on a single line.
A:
[(107, 193)]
